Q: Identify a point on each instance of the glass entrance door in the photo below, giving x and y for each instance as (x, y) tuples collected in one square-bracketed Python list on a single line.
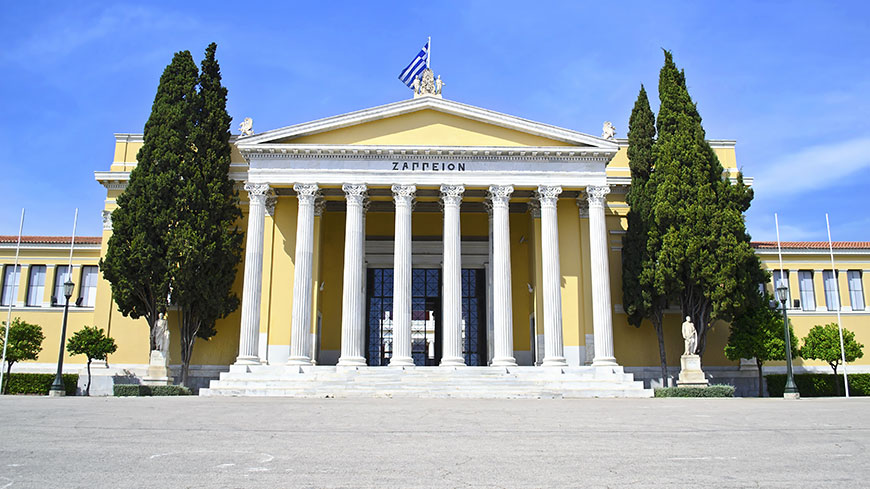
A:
[(425, 316)]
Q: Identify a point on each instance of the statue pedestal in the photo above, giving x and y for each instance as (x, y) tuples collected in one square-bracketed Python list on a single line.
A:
[(691, 374), (158, 370)]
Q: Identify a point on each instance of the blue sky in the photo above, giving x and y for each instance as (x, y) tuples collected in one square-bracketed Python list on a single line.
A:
[(788, 80)]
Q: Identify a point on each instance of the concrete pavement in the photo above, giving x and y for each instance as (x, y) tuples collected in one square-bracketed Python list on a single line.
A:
[(254, 442)]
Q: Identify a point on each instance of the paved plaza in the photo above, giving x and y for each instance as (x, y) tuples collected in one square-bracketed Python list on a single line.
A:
[(276, 443)]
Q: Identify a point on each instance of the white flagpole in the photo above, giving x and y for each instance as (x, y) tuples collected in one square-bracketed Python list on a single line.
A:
[(429, 54), (11, 299), (72, 243), (839, 321), (779, 250)]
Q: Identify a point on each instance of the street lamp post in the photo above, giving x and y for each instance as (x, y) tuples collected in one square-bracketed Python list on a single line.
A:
[(791, 390), (57, 387)]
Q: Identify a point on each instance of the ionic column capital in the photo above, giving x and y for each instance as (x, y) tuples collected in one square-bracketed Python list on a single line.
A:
[(452, 194), (258, 190), (597, 194), (307, 193), (403, 194), (583, 205), (355, 193), (500, 194), (548, 195)]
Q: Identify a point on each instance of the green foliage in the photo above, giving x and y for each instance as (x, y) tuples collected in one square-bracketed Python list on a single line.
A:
[(641, 299), (94, 344), (136, 390), (823, 343), (705, 258), (136, 262), (40, 383), (25, 343), (758, 332), (709, 391), (820, 385), (205, 245)]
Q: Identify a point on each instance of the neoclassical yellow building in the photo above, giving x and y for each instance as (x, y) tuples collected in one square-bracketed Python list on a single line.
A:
[(425, 232)]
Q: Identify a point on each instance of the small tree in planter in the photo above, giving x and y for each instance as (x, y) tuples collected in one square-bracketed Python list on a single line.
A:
[(93, 343), (823, 343), (25, 343)]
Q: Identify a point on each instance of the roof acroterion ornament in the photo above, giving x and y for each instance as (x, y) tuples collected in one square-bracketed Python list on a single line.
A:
[(427, 84), (247, 126)]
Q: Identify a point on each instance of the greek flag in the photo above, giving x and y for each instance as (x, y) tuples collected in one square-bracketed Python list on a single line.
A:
[(420, 63)]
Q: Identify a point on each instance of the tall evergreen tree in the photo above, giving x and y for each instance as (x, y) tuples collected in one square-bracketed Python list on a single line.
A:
[(205, 243), (705, 258), (640, 297), (136, 262)]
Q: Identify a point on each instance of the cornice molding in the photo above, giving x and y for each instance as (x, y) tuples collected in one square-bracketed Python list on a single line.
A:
[(438, 104), (473, 153)]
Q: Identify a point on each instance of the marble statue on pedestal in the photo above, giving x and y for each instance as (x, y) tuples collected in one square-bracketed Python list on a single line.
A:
[(690, 336), (691, 374), (158, 366)]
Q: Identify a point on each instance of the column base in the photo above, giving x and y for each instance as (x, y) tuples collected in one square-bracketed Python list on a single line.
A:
[(452, 362), (604, 362), (401, 362), (504, 362), (555, 362), (351, 362), (300, 360), (247, 360)]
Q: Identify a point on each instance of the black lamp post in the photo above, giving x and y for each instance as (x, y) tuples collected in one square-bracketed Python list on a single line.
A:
[(791, 390), (57, 387)]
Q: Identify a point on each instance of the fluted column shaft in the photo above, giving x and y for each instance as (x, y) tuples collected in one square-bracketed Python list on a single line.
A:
[(403, 195), (451, 305), (502, 300), (352, 323), (249, 332), (602, 316), (554, 355), (300, 321)]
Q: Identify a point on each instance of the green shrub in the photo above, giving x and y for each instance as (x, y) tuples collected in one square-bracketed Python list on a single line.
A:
[(709, 391), (126, 390), (819, 385), (20, 383)]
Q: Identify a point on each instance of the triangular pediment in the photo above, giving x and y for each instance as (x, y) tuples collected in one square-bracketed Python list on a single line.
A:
[(427, 121)]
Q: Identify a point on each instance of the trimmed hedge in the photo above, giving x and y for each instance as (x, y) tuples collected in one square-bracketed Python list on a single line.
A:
[(136, 390), (820, 385), (21, 383), (709, 391)]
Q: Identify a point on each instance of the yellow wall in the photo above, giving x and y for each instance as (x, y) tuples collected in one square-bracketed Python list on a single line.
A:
[(427, 127)]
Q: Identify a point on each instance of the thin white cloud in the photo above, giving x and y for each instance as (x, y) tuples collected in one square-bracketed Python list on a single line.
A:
[(812, 168)]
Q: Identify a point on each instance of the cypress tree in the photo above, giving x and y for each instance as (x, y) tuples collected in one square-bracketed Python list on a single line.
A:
[(205, 244), (705, 258), (640, 298), (136, 262)]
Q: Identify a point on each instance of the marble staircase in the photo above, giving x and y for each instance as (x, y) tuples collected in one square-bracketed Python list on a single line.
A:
[(426, 382)]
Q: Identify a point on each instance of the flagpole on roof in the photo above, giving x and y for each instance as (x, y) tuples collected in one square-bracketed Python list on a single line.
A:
[(429, 56), (12, 299), (839, 321)]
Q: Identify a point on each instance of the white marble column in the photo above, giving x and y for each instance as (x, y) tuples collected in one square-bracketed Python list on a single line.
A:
[(489, 324), (501, 264), (554, 355), (300, 321), (451, 299), (403, 195), (249, 333), (602, 314), (352, 304)]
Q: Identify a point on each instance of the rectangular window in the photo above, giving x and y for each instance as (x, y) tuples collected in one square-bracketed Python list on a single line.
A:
[(11, 276), (856, 290), (88, 291), (832, 300), (60, 276), (36, 285), (808, 298), (778, 278)]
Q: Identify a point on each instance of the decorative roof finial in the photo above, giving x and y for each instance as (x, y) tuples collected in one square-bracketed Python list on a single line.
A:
[(608, 131), (247, 126), (426, 84)]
